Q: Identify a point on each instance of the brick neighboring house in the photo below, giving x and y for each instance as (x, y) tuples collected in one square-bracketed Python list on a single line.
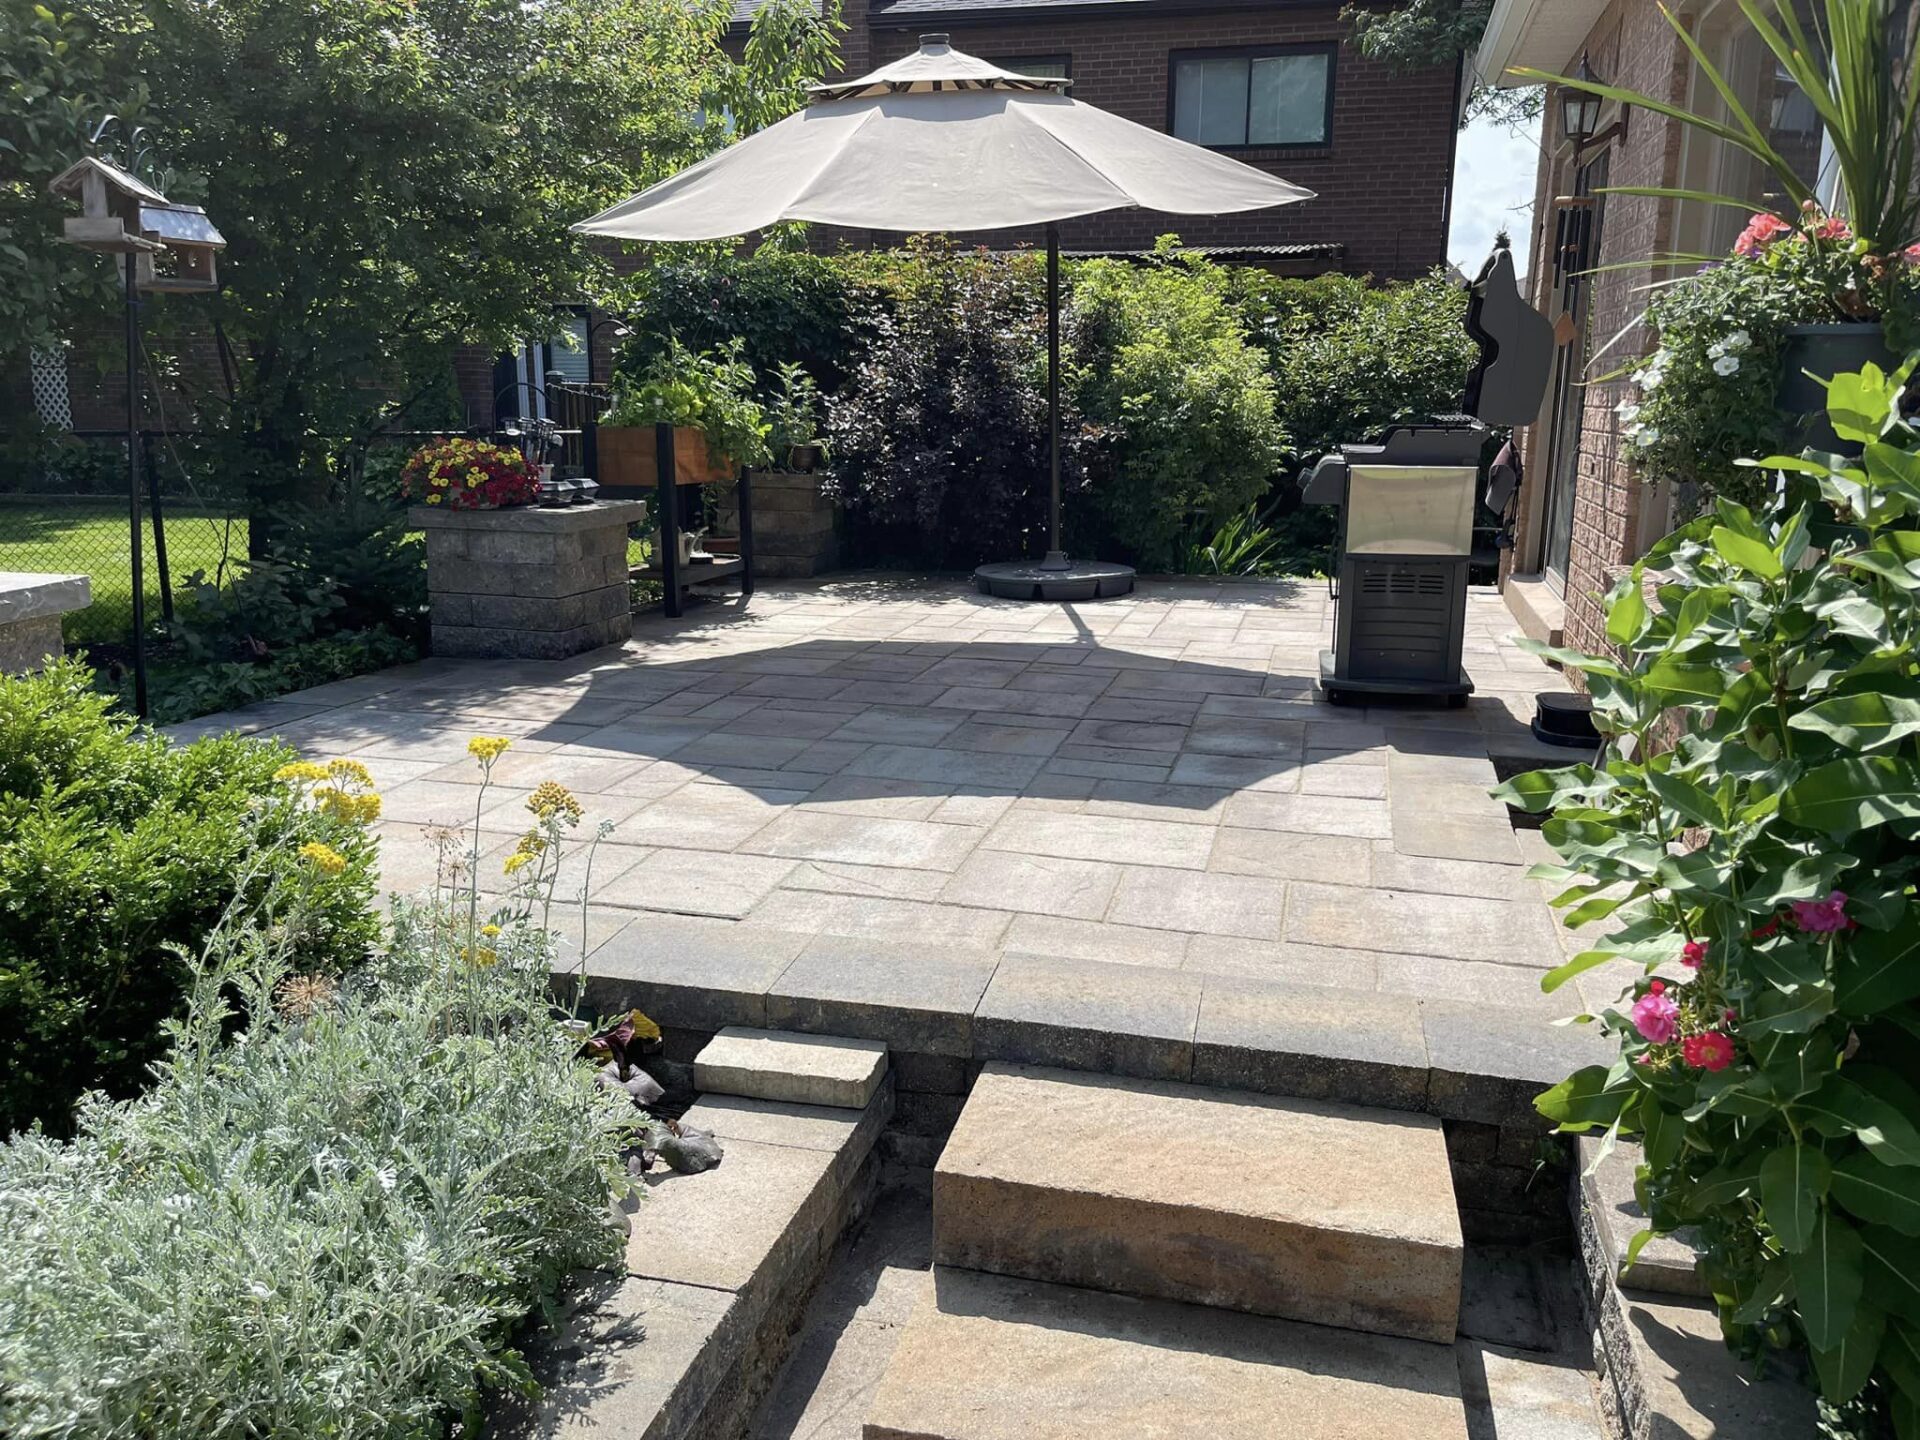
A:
[(1582, 515)]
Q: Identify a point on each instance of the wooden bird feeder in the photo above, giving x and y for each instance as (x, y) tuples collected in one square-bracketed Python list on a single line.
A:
[(110, 203), (190, 243), (173, 245)]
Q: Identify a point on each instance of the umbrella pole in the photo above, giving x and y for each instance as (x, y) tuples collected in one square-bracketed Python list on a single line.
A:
[(1056, 557)]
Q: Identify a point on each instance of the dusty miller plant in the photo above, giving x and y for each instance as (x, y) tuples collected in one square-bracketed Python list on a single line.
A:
[(1750, 835), (339, 1199)]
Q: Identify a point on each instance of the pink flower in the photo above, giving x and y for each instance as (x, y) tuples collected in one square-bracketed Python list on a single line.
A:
[(1692, 953), (1833, 228), (1911, 254), (1731, 1016), (1822, 916), (1711, 1051), (1762, 230), (1655, 1015)]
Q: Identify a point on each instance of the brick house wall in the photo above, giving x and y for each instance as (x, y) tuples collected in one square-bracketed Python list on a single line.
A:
[(1381, 185), (1615, 520)]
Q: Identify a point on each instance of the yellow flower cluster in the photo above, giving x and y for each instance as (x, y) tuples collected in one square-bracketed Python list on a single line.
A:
[(488, 748), (300, 770), (526, 852), (352, 770), (480, 956), (324, 858), (354, 809), (550, 799)]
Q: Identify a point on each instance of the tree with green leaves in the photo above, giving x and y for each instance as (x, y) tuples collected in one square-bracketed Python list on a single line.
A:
[(1422, 33), (58, 85), (396, 178)]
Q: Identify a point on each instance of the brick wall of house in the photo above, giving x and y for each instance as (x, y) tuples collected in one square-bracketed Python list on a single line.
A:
[(1381, 186), (1631, 46)]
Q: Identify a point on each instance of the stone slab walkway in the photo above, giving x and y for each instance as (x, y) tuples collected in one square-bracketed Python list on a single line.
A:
[(836, 767)]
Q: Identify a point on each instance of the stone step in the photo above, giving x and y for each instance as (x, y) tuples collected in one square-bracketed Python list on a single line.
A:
[(785, 1066), (1295, 1208), (1611, 1217), (988, 1357)]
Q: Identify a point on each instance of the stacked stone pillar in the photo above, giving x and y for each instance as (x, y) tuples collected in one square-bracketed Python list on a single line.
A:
[(529, 584)]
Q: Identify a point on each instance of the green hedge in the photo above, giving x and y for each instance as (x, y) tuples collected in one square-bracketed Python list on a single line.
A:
[(1192, 390), (117, 852)]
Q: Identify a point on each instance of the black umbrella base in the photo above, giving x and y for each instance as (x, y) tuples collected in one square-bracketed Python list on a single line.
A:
[(1031, 580)]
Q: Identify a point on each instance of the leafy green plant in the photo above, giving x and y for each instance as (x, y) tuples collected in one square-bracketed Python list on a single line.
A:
[(1751, 836), (940, 435), (348, 1207), (1243, 546), (712, 391), (116, 847), (1860, 70), (1180, 406), (793, 412)]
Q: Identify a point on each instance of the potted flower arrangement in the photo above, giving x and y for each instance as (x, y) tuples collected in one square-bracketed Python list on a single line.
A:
[(464, 474), (708, 399), (1741, 342)]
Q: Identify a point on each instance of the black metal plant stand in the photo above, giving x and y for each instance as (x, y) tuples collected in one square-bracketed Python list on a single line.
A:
[(676, 579)]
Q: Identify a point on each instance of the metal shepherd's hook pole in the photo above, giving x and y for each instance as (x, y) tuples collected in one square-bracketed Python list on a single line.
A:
[(133, 494)]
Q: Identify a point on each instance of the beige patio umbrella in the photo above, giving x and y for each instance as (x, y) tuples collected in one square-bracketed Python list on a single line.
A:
[(944, 141)]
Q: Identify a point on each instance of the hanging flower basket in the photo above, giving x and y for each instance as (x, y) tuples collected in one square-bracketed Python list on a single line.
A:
[(466, 474)]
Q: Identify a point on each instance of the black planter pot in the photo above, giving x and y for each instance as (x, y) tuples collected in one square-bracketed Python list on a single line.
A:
[(1826, 351)]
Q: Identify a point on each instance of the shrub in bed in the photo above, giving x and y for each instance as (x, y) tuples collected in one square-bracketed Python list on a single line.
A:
[(114, 849), (329, 1223), (1750, 841)]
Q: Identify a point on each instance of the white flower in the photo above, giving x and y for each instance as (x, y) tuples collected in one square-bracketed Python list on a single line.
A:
[(386, 1176), (1648, 436), (259, 1291), (1726, 365), (1739, 340), (1716, 350), (1627, 411)]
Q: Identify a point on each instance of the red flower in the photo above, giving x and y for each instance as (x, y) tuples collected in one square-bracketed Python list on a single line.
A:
[(1711, 1051), (1762, 230), (1766, 930), (1692, 953)]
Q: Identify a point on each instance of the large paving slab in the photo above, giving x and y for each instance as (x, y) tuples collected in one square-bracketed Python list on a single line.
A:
[(1303, 1209), (986, 1357)]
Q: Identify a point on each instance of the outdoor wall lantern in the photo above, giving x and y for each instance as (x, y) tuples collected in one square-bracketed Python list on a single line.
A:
[(121, 215), (1580, 109)]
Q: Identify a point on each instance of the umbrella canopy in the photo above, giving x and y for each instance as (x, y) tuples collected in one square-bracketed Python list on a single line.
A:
[(940, 141)]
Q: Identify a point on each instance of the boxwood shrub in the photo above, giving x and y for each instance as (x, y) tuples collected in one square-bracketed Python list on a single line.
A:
[(119, 850)]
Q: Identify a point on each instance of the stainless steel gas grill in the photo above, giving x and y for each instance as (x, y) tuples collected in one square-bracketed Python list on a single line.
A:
[(1407, 503)]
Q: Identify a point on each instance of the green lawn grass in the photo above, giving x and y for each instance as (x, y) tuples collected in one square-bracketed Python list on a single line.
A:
[(88, 536)]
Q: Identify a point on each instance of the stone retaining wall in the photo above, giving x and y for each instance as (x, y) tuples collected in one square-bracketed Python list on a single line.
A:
[(30, 609)]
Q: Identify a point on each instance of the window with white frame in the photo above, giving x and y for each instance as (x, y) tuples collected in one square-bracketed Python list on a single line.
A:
[(1252, 98)]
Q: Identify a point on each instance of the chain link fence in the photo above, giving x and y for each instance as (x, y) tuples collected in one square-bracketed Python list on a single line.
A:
[(64, 510)]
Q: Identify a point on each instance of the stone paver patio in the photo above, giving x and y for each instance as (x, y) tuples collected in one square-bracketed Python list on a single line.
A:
[(880, 766)]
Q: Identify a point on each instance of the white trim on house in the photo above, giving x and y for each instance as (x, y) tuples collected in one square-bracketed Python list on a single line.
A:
[(1539, 34)]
